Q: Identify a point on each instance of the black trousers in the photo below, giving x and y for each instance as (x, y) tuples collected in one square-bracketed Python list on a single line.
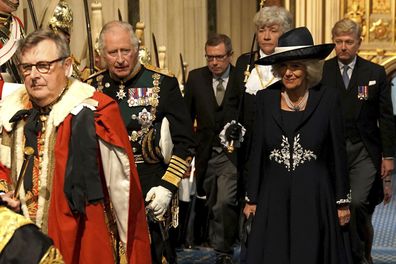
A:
[(161, 248)]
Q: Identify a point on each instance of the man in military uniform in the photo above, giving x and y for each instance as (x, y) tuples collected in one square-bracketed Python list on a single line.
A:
[(150, 102)]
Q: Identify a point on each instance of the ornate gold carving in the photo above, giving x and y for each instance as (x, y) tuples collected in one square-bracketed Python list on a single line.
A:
[(380, 56), (381, 6), (357, 14), (377, 18), (380, 30)]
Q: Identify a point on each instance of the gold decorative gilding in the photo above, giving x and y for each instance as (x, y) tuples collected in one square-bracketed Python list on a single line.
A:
[(356, 13), (52, 256), (10, 222), (381, 6), (380, 30)]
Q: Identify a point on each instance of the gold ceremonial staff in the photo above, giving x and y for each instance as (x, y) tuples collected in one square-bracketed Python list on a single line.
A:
[(28, 151), (262, 2)]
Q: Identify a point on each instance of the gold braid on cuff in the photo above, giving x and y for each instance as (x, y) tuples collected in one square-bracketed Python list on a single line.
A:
[(176, 169)]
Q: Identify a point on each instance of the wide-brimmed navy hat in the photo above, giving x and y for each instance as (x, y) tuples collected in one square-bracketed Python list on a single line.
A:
[(297, 44)]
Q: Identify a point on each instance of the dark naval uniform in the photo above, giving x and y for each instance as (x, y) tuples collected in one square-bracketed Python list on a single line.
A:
[(145, 100)]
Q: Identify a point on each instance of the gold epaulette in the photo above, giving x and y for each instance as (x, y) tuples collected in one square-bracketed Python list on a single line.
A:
[(94, 75), (159, 70), (10, 222)]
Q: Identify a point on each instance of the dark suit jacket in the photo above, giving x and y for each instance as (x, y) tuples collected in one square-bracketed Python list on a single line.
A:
[(202, 105), (372, 117)]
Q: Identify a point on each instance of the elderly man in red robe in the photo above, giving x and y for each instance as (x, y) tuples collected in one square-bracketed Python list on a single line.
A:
[(80, 185)]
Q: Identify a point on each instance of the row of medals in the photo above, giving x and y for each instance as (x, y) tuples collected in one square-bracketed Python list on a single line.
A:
[(145, 118), (363, 92)]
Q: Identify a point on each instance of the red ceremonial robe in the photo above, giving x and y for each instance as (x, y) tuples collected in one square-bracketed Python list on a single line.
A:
[(86, 239)]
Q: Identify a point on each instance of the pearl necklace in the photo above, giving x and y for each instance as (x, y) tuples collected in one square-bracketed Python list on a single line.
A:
[(300, 104)]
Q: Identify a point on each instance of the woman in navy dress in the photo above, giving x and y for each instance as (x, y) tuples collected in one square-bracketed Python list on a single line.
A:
[(298, 187)]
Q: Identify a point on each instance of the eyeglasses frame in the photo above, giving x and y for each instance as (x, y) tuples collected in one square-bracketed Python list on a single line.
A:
[(217, 57), (26, 73)]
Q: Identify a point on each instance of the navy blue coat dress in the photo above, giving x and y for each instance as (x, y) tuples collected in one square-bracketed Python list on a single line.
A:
[(297, 178)]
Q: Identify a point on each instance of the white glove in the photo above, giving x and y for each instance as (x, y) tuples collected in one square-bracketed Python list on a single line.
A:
[(160, 198)]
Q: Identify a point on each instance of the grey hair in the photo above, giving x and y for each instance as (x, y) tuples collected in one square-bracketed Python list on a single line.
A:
[(347, 26), (121, 24), (314, 70), (37, 36), (270, 15)]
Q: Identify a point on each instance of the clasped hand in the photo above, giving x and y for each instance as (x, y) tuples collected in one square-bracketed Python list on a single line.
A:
[(233, 132), (344, 215), (10, 202), (159, 198)]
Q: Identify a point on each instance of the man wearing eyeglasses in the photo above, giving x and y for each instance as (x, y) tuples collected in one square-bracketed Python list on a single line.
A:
[(205, 92), (66, 162), (151, 105)]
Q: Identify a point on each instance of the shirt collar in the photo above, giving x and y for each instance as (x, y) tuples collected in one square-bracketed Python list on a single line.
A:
[(351, 65), (262, 54)]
